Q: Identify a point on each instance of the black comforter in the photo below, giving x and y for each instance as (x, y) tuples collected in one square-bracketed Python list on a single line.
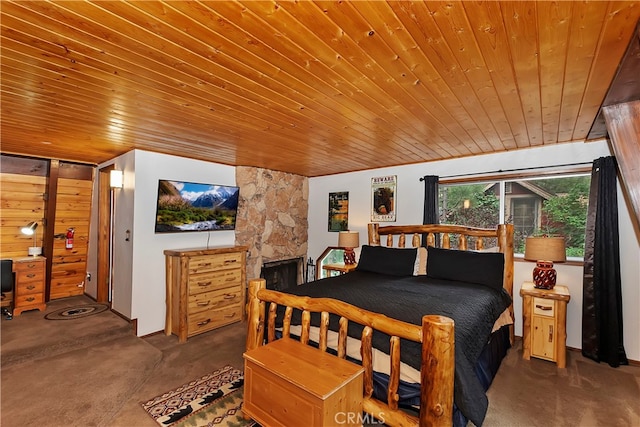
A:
[(474, 309)]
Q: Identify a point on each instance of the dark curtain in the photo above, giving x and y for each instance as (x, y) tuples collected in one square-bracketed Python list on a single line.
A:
[(602, 338), (430, 215)]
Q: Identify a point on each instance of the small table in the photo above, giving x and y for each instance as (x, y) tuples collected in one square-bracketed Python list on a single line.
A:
[(544, 331), (288, 383), (340, 268)]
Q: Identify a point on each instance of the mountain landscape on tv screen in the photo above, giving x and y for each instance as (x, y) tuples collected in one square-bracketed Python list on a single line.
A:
[(184, 206)]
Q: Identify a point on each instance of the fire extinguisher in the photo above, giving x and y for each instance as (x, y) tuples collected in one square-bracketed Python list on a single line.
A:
[(68, 241)]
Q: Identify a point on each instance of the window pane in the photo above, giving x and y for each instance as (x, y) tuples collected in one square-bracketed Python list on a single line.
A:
[(553, 206), (473, 205)]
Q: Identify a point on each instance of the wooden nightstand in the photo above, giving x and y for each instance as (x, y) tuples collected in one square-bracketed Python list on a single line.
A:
[(544, 314), (340, 268)]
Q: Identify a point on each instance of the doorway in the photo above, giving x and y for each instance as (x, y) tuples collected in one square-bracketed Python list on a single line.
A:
[(105, 219)]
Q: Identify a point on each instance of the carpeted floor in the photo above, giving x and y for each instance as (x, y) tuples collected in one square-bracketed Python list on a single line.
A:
[(93, 371)]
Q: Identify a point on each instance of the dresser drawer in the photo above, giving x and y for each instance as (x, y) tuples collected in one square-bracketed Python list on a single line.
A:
[(203, 264), (30, 276), (199, 283), (26, 300), (30, 287), (215, 299), (543, 307), (26, 267), (211, 319)]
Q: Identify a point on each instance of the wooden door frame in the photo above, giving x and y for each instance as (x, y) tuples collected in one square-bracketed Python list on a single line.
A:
[(104, 235)]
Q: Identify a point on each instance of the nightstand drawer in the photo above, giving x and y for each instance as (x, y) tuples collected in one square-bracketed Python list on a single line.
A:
[(543, 307)]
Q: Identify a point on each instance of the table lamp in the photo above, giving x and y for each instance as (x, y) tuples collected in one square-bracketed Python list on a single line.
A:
[(30, 230), (349, 240), (545, 250)]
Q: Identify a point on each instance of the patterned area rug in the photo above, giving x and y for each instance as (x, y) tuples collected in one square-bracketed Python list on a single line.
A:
[(213, 400), (83, 310)]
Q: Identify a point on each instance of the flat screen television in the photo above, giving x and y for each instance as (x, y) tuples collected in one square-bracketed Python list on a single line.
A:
[(189, 206)]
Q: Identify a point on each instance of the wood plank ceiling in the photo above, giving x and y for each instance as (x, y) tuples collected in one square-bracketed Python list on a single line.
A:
[(307, 87)]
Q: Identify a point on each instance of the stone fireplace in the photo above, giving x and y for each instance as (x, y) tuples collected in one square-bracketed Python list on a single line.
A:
[(282, 275), (272, 218)]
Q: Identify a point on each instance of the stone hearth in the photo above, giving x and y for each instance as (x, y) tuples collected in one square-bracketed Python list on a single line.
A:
[(272, 216)]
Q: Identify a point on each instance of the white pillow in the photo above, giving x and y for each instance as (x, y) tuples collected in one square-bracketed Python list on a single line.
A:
[(421, 262)]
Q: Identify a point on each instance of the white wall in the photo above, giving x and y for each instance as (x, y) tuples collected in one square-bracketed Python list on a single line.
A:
[(409, 199), (139, 264)]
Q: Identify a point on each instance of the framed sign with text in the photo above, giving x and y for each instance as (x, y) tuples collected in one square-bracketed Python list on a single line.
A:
[(383, 194)]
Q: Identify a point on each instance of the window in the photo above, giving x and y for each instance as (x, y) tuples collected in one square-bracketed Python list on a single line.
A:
[(331, 255), (535, 206)]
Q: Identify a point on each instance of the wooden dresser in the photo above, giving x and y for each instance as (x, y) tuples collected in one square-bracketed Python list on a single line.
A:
[(205, 289), (29, 284)]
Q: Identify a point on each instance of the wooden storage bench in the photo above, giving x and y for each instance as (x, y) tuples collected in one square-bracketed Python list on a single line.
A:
[(288, 383)]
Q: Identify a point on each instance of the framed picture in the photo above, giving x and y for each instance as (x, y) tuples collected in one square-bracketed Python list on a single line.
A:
[(339, 211), (383, 194)]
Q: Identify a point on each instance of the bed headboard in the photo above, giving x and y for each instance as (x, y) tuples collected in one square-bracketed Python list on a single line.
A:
[(396, 236)]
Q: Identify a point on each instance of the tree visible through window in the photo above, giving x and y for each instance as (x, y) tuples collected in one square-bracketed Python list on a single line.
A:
[(552, 206)]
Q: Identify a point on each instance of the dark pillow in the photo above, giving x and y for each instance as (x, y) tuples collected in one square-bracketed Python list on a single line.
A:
[(386, 260), (484, 268)]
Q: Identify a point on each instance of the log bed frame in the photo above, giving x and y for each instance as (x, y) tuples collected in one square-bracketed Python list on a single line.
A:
[(436, 334)]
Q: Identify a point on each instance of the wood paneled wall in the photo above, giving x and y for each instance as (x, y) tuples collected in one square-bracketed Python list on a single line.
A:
[(623, 124), (22, 200), (57, 195), (73, 210)]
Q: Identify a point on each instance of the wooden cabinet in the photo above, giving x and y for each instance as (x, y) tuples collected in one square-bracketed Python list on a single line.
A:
[(29, 284), (205, 289), (544, 333), (291, 384)]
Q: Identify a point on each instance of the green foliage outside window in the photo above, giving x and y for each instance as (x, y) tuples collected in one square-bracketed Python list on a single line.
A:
[(562, 213), (565, 214)]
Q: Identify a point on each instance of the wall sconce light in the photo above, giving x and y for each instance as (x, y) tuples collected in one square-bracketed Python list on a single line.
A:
[(30, 230), (349, 240), (116, 179), (466, 204)]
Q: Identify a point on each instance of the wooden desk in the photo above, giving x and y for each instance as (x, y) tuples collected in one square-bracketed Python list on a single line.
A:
[(288, 383)]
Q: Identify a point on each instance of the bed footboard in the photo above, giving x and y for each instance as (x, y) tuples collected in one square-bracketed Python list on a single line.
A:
[(436, 336)]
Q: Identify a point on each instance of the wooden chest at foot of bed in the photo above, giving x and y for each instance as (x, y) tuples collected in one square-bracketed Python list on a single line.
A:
[(288, 383)]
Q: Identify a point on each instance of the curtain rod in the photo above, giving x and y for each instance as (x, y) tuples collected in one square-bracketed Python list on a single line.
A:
[(513, 170)]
